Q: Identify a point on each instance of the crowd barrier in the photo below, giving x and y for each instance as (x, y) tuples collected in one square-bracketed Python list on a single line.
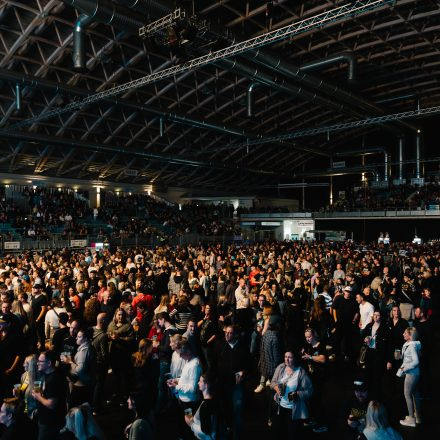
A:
[(74, 242)]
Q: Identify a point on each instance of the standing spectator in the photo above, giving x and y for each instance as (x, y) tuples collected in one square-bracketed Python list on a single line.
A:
[(293, 388), (411, 370), (270, 353), (208, 334), (346, 313), (376, 338), (314, 355), (186, 386), (204, 423), (9, 356), (38, 311), (146, 370), (121, 335), (164, 352), (366, 310), (82, 369), (51, 398), (27, 382), (231, 363), (101, 345)]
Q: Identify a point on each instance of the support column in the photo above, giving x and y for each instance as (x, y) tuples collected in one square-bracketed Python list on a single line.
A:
[(418, 154), (331, 190), (401, 158), (95, 197)]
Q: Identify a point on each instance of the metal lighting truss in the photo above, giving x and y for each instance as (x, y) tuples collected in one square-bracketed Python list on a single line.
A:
[(162, 24), (342, 12), (335, 127)]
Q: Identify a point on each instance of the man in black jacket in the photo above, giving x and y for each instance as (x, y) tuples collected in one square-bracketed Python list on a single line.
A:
[(164, 352), (101, 345), (232, 361)]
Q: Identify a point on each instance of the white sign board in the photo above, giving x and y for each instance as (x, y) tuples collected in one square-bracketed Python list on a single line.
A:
[(306, 224), (78, 243), (12, 245)]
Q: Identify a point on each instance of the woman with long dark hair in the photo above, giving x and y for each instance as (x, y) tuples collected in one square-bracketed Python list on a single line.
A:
[(146, 369), (142, 428)]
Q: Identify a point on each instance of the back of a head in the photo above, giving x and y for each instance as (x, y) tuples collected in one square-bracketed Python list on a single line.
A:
[(376, 417)]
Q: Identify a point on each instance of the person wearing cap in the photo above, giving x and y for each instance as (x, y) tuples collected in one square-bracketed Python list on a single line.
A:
[(355, 410), (346, 314), (38, 312)]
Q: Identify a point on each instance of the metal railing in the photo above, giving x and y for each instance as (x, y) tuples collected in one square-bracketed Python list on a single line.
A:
[(55, 242)]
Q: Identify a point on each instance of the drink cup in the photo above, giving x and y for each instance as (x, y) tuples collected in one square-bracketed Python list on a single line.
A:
[(37, 386), (397, 354), (16, 390), (282, 388), (188, 412)]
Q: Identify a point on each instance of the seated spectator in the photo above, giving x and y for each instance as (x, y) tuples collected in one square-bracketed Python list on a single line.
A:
[(376, 424), (81, 425), (142, 428), (16, 426)]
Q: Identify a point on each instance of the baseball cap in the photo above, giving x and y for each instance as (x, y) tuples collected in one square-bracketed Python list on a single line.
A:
[(347, 289), (360, 385), (5, 319)]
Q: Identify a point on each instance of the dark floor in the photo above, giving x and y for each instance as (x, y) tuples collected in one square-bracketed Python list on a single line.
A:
[(336, 392)]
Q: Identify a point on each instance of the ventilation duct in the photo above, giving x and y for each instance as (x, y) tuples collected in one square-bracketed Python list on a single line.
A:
[(277, 64), (74, 143), (18, 97), (102, 11), (343, 57), (146, 7), (367, 151), (25, 80), (79, 45), (250, 99), (261, 76)]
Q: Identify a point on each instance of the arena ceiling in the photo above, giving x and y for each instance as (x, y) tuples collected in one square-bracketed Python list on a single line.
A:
[(192, 129)]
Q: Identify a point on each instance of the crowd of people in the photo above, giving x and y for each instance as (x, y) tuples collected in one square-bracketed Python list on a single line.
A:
[(49, 211), (184, 332), (405, 197)]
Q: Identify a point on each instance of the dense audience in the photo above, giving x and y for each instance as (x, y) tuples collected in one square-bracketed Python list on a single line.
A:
[(405, 197), (50, 211), (181, 333)]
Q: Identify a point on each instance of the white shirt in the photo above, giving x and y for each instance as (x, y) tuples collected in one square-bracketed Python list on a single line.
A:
[(291, 386), (366, 310), (187, 389), (176, 366), (241, 297), (52, 319)]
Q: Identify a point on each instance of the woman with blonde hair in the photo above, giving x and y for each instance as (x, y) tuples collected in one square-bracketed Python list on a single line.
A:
[(27, 381), (410, 368), (163, 305), (80, 425), (376, 425)]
